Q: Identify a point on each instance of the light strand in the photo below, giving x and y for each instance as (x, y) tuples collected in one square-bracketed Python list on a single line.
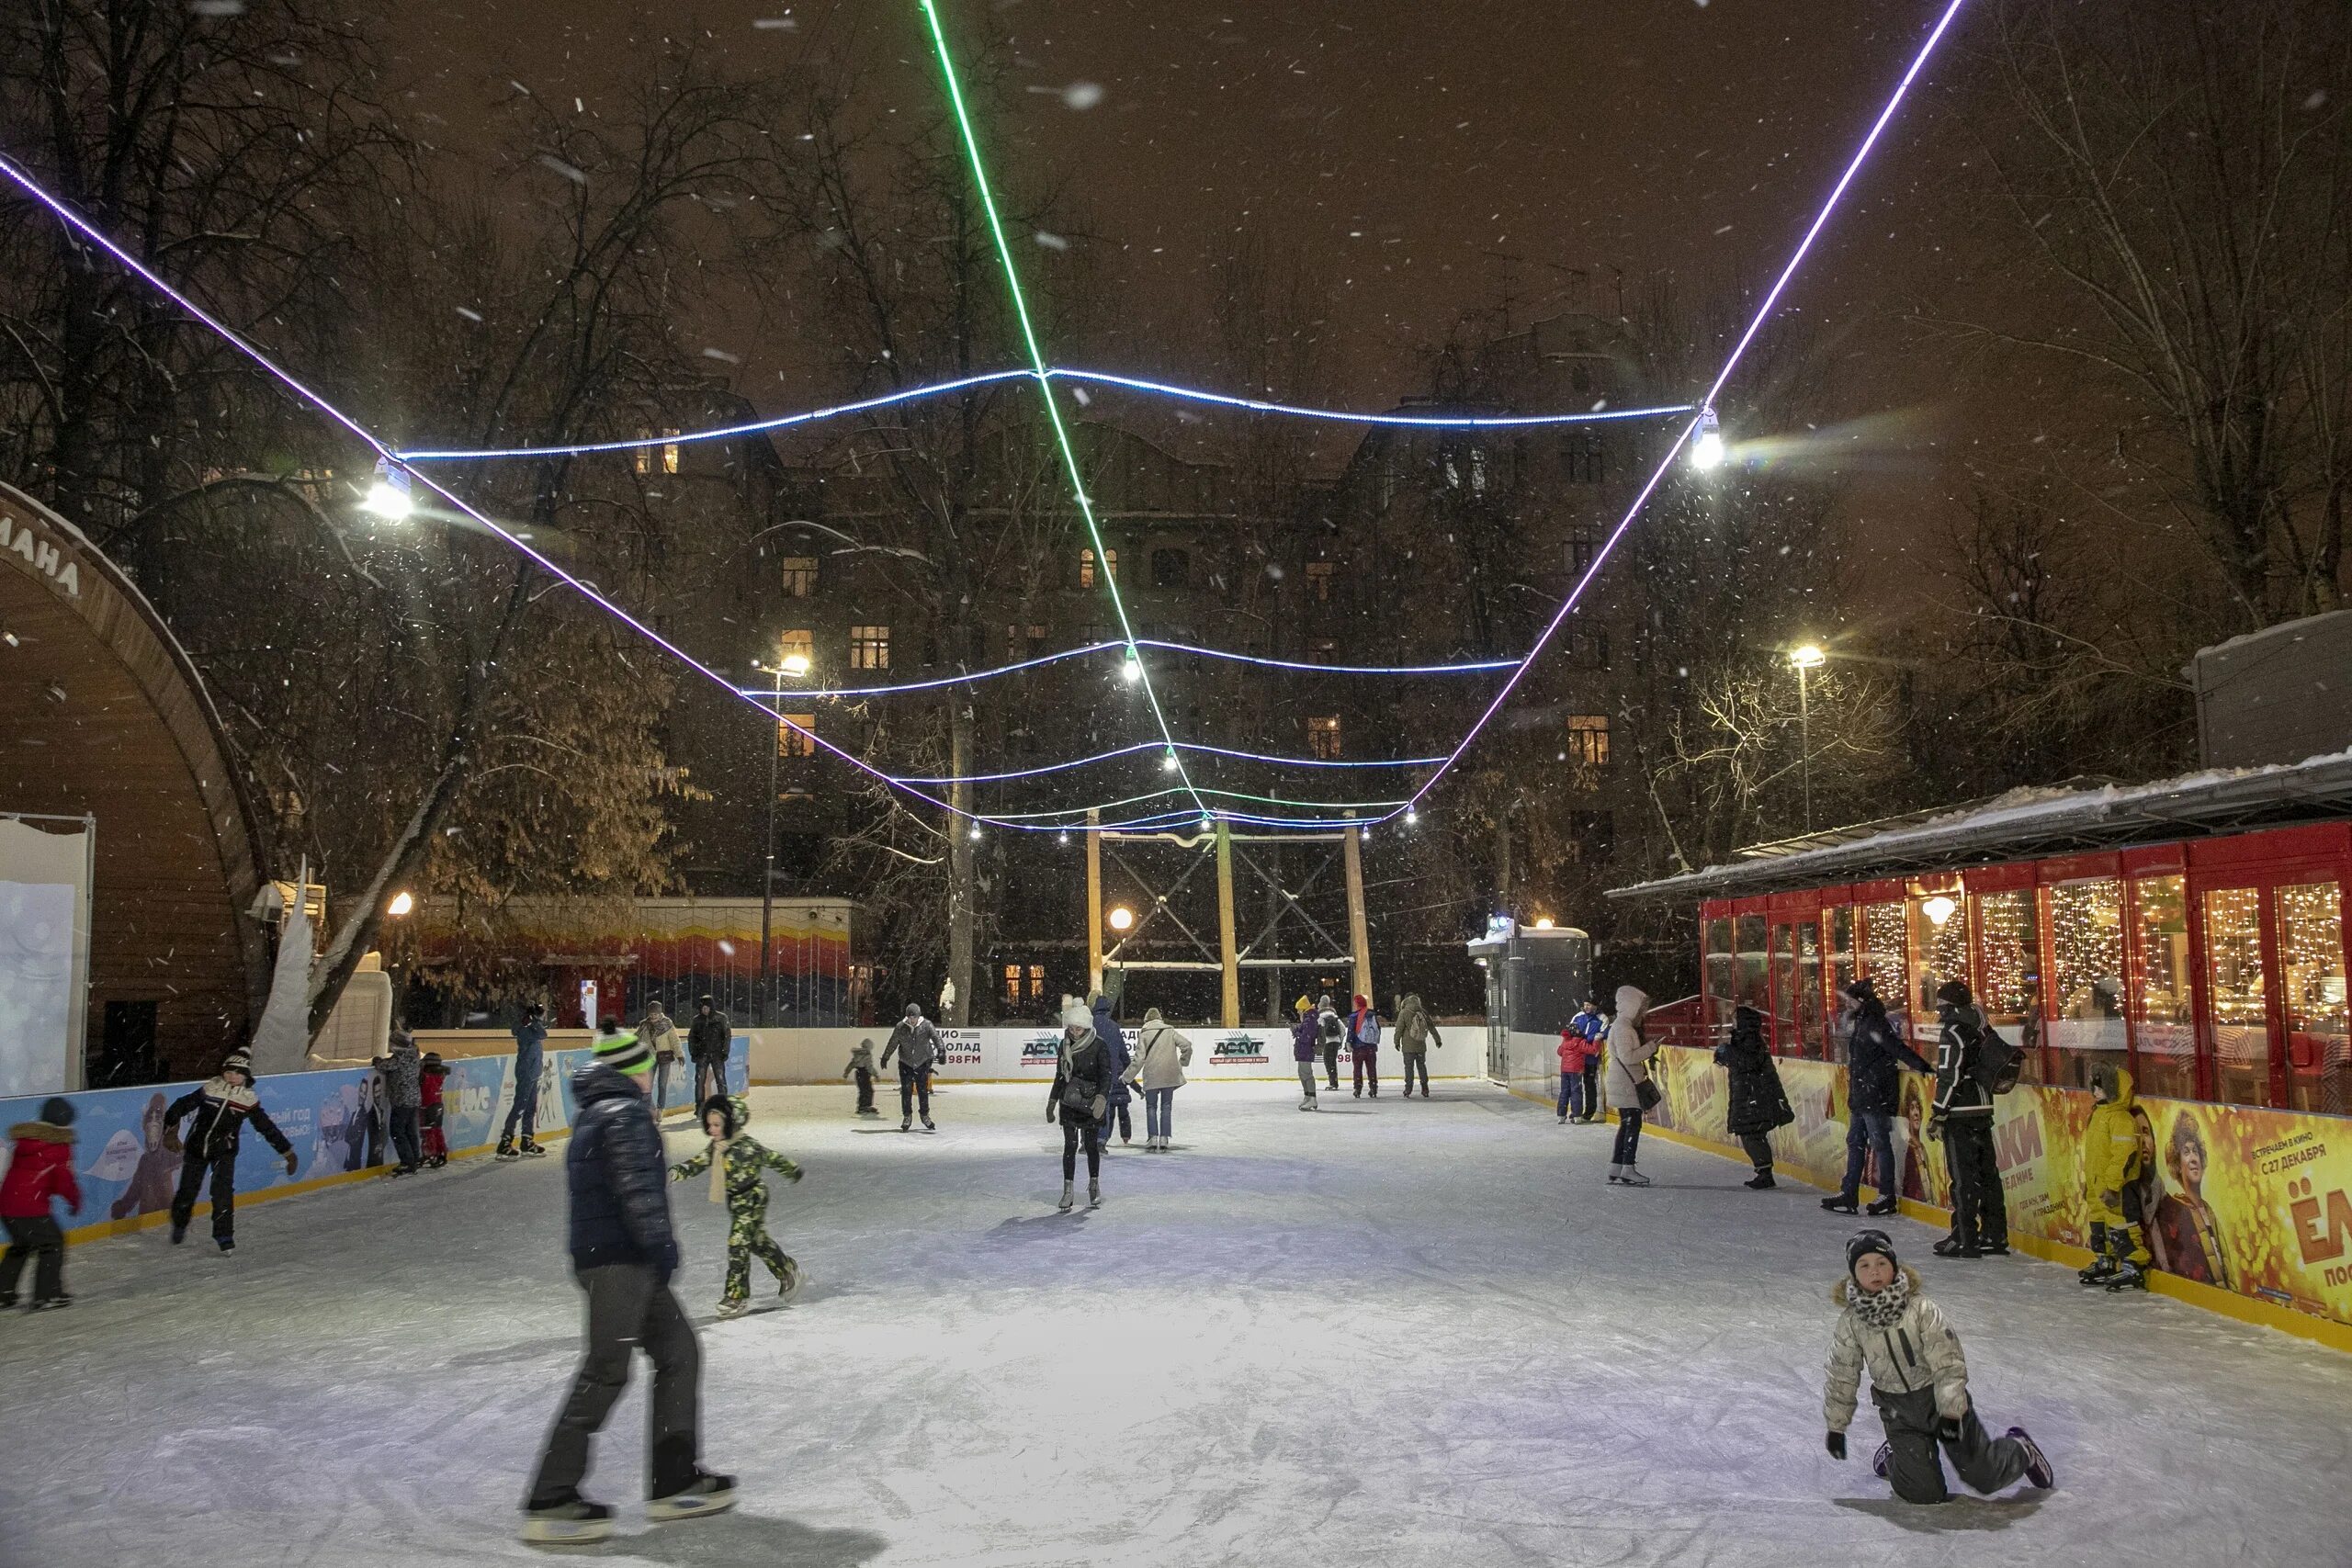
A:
[(1043, 769), (1312, 667)]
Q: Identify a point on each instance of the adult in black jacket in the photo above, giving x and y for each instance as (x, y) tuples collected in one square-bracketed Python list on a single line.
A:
[(706, 1040), (623, 1254), (1963, 1115), (223, 1104), (1875, 1058), (1080, 1100), (1756, 1103)]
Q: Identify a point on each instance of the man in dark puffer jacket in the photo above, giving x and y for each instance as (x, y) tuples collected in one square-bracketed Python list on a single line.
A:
[(622, 1253)]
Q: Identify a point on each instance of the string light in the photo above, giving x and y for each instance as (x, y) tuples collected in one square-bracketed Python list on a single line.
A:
[(1202, 747), (1471, 667)]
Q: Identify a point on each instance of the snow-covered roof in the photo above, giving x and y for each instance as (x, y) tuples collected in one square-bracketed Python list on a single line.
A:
[(2033, 821)]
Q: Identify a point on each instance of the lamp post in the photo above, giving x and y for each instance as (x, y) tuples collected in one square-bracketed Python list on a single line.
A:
[(1808, 658), (794, 665)]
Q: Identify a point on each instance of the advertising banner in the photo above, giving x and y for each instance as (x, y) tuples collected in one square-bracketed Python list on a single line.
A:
[(2243, 1199)]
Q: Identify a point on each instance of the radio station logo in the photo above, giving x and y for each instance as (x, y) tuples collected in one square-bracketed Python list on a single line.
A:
[(959, 1047), (1041, 1051), (1237, 1049)]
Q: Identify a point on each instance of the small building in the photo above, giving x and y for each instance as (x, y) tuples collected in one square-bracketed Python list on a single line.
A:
[(1537, 975)]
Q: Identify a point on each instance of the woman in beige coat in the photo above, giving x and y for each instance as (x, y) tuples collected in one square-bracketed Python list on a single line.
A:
[(1630, 1053), (1161, 1056)]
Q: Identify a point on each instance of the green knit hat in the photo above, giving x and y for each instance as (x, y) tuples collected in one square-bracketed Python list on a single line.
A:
[(624, 1052)]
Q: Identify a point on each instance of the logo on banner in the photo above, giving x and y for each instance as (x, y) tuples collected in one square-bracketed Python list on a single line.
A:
[(1237, 1048), (959, 1047), (1041, 1051)]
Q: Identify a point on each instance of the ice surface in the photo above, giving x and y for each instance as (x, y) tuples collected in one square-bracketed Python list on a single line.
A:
[(1393, 1334)]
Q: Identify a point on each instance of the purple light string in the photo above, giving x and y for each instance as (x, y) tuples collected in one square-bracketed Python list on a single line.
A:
[(1731, 364)]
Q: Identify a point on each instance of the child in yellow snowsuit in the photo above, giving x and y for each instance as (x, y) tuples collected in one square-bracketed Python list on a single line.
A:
[(2112, 1185)]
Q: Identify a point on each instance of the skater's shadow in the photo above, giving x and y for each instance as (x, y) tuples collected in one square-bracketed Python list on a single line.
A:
[(1973, 1514), (732, 1540), (1021, 1227)]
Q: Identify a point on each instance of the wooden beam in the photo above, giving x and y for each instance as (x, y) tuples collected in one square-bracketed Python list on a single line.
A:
[(1229, 1011)]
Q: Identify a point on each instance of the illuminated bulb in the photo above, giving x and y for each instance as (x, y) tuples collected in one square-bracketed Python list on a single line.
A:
[(1207, 825), (1132, 670), (1411, 817), (1122, 917), (1062, 838), (1168, 761), (976, 832), (1543, 922), (402, 902), (387, 500), (1938, 910), (1707, 448), (796, 664), (1809, 656)]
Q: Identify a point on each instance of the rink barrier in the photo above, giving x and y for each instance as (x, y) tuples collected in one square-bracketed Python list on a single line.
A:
[(332, 1117), (1027, 1054)]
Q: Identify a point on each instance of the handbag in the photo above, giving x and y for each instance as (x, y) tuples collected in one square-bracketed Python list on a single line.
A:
[(1647, 1093)]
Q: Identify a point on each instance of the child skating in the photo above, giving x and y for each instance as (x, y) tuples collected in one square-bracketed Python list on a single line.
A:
[(223, 1104), (2120, 1256), (431, 1076), (1919, 1381), (40, 1167), (861, 1062), (737, 1163)]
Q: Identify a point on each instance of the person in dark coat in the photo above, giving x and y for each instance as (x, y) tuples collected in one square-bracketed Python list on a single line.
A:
[(1756, 1103), (1963, 1117), (707, 1039), (223, 1104), (403, 1073), (623, 1255), (1875, 1058), (1079, 1100), (530, 1048), (1115, 1043)]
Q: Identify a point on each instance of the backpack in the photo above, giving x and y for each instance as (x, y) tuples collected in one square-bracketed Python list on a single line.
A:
[(1993, 1061), (1330, 1031)]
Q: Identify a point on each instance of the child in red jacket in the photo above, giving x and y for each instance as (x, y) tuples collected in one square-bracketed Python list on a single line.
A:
[(40, 1168), (429, 1079), (1575, 1048)]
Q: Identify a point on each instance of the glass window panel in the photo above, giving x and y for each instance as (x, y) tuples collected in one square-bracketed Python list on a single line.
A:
[(1840, 959), (1786, 1039), (1808, 1007), (1937, 947), (1751, 991), (2311, 977), (1718, 963), (1882, 954), (2241, 1003), (2163, 1022), (2086, 977)]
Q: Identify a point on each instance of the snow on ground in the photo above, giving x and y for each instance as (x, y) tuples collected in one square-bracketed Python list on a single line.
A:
[(1393, 1333)]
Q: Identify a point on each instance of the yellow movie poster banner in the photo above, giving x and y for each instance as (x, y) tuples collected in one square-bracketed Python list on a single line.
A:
[(2243, 1199)]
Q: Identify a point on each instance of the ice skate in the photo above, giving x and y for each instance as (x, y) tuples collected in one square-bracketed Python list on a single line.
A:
[(571, 1521), (1094, 1194), (732, 1309), (1307, 1104), (2037, 1469), (1613, 1172), (929, 1125), (179, 1232), (506, 1149), (226, 1243), (2128, 1276), (906, 1123), (1841, 1205), (1760, 1181), (1956, 1247), (532, 1149), (53, 1304), (1877, 1460), (788, 1284), (1886, 1204), (2101, 1270), (1994, 1248), (1632, 1177), (1069, 1197), (705, 1494)]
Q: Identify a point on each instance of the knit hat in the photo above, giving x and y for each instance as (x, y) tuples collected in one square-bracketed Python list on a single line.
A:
[(1077, 1015), (238, 1061), (433, 1058), (1954, 994), (914, 1010), (57, 1111), (1301, 1005), (625, 1054), (1866, 1241)]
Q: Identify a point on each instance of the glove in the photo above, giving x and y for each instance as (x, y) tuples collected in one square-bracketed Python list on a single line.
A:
[(666, 1265), (1049, 1112), (1100, 1104), (170, 1140), (1948, 1428), (290, 1163), (1835, 1444), (1936, 1125)]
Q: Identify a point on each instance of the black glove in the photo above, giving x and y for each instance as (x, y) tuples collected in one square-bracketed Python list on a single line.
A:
[(1948, 1428), (665, 1265), (1835, 1444)]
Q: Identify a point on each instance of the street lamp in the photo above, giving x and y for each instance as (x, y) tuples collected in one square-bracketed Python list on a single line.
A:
[(1807, 657), (1131, 669), (1122, 917), (402, 902), (1707, 450), (388, 495), (794, 664)]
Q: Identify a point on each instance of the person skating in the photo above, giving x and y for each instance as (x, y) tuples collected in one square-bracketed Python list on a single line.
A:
[(624, 1252), (1161, 1056), (530, 1055), (1919, 1381), (1630, 1054), (1575, 1049), (1305, 1041), (432, 1074), (1594, 1028), (1116, 1114), (1079, 1098), (861, 1063), (707, 1039), (2120, 1256), (915, 1042), (1332, 1031), (1963, 1117), (738, 1162), (1416, 1033), (222, 1104), (1875, 1058), (402, 1070), (660, 1034), (40, 1168), (1363, 1039), (1754, 1103)]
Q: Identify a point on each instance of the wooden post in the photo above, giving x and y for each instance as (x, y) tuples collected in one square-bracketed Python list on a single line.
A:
[(1093, 902), (1359, 929), (1228, 948)]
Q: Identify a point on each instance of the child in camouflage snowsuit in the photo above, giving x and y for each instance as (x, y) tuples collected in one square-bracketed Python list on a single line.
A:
[(738, 1162)]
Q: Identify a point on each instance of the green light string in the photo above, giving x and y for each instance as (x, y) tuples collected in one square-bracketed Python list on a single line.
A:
[(1044, 384)]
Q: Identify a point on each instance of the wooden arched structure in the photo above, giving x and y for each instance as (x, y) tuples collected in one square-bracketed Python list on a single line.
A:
[(102, 714)]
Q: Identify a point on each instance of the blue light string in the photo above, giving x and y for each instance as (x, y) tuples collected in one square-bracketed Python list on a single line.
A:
[(1470, 667)]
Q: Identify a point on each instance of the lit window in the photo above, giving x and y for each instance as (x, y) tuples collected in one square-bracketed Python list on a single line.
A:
[(796, 735), (869, 648), (1323, 651), (641, 459), (1011, 983), (670, 454), (2236, 991), (1588, 739), (2087, 992), (1318, 580), (800, 576), (1087, 577), (1036, 982), (1323, 736)]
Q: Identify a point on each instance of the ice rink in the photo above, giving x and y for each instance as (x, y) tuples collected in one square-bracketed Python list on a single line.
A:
[(1388, 1333)]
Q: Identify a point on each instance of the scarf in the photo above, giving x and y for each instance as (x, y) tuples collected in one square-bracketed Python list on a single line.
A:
[(1884, 1310), (719, 1169)]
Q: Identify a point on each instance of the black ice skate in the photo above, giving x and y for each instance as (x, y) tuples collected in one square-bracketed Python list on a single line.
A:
[(532, 1149), (906, 1123), (2037, 1469), (705, 1494), (2128, 1276), (226, 1243), (1956, 1247), (1841, 1205), (1883, 1205), (1760, 1181), (505, 1149), (566, 1521), (53, 1304), (179, 1232), (2101, 1270)]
